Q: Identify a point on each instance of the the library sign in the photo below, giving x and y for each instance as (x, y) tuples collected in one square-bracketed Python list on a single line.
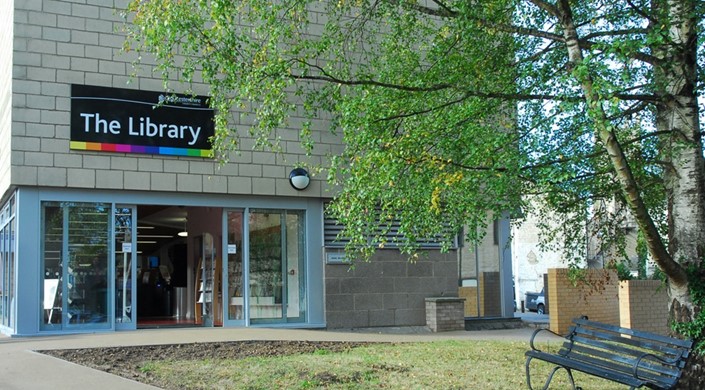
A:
[(130, 121)]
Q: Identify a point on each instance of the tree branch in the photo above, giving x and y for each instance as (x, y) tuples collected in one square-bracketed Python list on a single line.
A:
[(614, 33), (548, 7), (422, 112), (444, 6), (326, 77), (640, 12), (443, 12)]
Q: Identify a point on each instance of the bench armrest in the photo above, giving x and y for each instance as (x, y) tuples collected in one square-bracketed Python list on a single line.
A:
[(652, 357), (537, 331)]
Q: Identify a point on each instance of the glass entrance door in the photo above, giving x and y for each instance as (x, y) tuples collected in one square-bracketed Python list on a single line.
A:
[(234, 286), (276, 266), (125, 271)]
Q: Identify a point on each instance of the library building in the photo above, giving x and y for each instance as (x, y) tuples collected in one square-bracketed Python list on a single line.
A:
[(115, 216)]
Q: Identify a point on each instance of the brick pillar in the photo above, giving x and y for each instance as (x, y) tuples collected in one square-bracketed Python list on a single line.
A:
[(598, 298), (643, 305), (445, 313)]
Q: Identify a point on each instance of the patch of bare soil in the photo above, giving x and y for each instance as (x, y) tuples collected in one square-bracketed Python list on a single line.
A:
[(128, 361)]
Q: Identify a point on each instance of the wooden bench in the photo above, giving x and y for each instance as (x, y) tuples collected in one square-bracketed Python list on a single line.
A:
[(622, 355)]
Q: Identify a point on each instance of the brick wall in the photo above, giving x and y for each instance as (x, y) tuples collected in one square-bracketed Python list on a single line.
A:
[(59, 43), (599, 303), (389, 290), (470, 308), (643, 305)]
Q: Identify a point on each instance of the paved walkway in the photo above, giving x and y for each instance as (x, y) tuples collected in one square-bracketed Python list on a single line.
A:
[(22, 368)]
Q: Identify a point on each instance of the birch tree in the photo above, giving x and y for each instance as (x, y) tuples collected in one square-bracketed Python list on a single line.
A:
[(450, 109)]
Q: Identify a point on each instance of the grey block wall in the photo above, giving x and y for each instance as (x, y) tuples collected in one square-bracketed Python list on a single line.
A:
[(59, 43), (389, 290)]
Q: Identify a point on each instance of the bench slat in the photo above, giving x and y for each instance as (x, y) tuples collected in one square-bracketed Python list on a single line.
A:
[(646, 366), (576, 365), (624, 368), (688, 344), (652, 346), (629, 355)]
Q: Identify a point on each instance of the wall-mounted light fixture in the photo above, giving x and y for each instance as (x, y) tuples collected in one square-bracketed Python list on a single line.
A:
[(299, 179)]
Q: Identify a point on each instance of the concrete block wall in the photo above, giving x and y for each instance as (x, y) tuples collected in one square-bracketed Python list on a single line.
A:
[(598, 298), (389, 290), (445, 314), (59, 43), (643, 305), (490, 295), (488, 304)]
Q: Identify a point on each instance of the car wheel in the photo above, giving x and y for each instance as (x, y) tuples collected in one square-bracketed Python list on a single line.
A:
[(540, 309)]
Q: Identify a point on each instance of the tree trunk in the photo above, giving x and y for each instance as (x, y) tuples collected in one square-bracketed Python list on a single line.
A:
[(675, 74), (605, 132), (685, 184), (677, 112)]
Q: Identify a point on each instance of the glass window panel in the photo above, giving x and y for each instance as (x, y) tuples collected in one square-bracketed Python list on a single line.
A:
[(235, 276), (53, 243), (276, 266), (75, 261), (11, 260), (4, 307), (123, 265), (2, 277), (265, 264), (88, 264), (295, 251)]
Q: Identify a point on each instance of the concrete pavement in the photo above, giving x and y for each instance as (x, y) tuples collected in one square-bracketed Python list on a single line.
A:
[(21, 368)]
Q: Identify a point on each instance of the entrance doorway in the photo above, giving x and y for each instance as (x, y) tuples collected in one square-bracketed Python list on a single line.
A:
[(163, 267), (186, 275)]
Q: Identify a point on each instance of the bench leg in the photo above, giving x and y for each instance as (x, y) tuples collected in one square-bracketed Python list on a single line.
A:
[(550, 377)]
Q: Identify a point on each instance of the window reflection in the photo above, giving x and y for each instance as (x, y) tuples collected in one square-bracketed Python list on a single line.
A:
[(75, 259)]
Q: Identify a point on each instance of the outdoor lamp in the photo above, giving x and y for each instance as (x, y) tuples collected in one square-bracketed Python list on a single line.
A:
[(299, 179)]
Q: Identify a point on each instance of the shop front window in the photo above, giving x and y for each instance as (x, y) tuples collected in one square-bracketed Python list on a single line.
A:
[(75, 258), (7, 263)]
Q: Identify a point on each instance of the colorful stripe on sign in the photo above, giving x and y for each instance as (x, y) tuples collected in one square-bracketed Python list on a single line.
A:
[(167, 151)]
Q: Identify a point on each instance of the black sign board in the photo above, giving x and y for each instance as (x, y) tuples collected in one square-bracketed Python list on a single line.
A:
[(131, 121)]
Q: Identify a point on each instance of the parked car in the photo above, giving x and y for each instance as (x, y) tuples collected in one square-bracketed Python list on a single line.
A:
[(536, 301)]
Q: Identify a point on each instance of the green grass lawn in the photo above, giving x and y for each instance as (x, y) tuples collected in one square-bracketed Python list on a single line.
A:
[(422, 365)]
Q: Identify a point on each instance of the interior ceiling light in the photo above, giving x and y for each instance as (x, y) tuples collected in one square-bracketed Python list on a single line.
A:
[(183, 233)]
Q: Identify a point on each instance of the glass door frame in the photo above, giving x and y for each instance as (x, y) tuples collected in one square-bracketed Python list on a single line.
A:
[(132, 325), (67, 279), (244, 250)]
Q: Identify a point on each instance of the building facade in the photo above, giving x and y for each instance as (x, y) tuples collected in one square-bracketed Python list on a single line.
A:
[(114, 216)]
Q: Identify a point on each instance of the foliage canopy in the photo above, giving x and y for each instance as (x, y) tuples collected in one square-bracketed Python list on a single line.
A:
[(451, 109)]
